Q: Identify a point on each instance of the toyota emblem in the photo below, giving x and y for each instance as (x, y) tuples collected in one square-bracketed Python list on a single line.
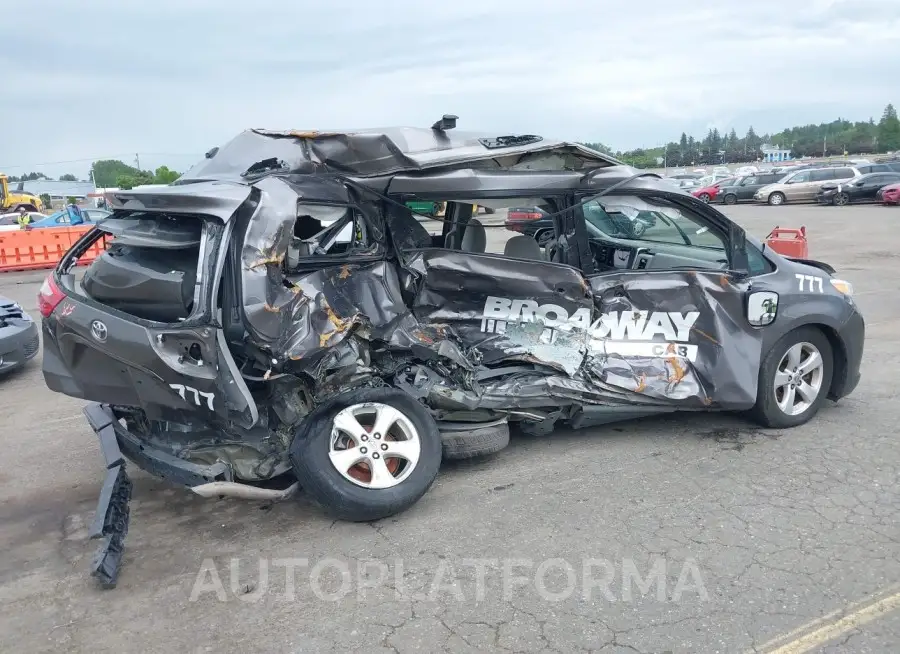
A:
[(98, 331)]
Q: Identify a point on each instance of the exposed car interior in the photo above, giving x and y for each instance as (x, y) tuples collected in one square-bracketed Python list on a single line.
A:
[(624, 232)]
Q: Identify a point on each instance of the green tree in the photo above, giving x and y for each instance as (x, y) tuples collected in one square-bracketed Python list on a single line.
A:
[(889, 130), (104, 173), (46, 200), (124, 182), (68, 177), (165, 176)]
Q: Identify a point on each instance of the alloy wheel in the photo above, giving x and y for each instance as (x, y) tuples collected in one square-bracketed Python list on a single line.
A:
[(798, 378), (374, 445)]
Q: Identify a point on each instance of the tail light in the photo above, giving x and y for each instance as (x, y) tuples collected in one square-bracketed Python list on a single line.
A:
[(49, 296), (525, 215)]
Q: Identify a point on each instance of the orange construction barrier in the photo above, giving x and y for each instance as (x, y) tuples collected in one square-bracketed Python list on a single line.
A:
[(789, 242), (33, 249)]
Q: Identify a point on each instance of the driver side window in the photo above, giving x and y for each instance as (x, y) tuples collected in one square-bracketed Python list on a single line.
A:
[(649, 221)]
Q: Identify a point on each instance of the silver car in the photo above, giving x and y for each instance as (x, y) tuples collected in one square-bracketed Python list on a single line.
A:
[(803, 185)]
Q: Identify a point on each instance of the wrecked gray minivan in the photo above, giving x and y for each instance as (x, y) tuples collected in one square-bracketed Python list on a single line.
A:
[(279, 316)]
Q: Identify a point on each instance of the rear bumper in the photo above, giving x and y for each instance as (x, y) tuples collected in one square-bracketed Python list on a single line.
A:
[(112, 516), (18, 345), (118, 444)]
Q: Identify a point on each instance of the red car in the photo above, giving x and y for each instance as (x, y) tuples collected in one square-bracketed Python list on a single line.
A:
[(708, 193), (890, 194)]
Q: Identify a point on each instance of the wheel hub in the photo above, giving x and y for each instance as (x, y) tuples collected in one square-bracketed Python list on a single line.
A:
[(374, 445)]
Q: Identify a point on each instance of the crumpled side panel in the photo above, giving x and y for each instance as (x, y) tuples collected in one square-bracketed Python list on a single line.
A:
[(632, 338), (709, 355), (453, 288)]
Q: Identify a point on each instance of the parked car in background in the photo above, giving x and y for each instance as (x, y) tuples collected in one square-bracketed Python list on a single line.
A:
[(861, 189), (886, 167), (19, 340), (531, 221), (683, 182), (61, 218), (803, 185), (889, 194), (742, 189), (708, 193)]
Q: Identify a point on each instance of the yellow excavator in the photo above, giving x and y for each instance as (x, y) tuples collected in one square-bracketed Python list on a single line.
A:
[(14, 200)]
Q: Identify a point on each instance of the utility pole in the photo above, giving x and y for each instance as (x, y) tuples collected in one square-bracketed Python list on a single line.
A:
[(137, 161)]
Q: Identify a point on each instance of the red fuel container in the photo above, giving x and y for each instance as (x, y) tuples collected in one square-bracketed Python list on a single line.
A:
[(789, 242)]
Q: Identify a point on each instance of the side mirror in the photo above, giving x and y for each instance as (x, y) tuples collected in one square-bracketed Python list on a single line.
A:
[(762, 308)]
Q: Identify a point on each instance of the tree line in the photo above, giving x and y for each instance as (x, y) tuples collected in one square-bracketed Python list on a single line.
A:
[(826, 139), (111, 173)]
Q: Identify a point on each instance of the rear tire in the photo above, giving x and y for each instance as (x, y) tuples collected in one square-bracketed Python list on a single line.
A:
[(312, 451), (472, 440), (774, 408), (776, 199)]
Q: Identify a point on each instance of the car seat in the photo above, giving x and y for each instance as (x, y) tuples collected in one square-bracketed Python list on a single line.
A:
[(523, 247), (474, 238)]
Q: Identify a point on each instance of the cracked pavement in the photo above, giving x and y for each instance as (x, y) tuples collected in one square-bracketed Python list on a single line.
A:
[(524, 552)]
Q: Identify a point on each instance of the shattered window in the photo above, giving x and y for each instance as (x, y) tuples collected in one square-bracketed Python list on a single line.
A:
[(643, 219), (329, 230)]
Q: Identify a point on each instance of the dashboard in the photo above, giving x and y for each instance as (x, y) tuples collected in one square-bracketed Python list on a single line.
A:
[(622, 256)]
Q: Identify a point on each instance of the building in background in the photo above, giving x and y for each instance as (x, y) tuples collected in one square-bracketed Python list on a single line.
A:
[(59, 192), (771, 154)]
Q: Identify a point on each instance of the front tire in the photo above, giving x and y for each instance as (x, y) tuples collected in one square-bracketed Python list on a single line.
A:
[(841, 200), (704, 197), (776, 199), (794, 379), (731, 198), (368, 454)]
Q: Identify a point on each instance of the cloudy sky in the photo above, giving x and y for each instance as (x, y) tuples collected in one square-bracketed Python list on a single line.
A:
[(170, 79)]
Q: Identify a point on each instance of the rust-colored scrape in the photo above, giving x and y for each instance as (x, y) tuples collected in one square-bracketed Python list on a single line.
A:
[(275, 259), (314, 134), (724, 281), (707, 400), (642, 384), (340, 325), (268, 307), (345, 271), (678, 372), (705, 335)]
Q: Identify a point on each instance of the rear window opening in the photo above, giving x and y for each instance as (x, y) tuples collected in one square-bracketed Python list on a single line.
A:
[(149, 269)]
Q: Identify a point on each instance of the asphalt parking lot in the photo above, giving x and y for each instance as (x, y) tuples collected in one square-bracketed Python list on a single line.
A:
[(680, 534)]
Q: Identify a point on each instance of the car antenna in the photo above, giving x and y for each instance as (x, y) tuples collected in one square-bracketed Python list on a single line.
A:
[(447, 122)]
